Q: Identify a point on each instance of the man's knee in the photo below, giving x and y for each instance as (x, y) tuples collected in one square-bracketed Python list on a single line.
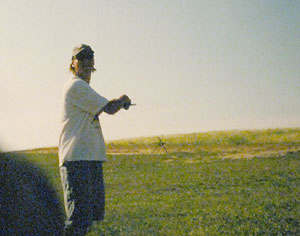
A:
[(77, 228)]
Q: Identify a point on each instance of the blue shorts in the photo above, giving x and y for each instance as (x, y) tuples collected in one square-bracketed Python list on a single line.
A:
[(84, 194)]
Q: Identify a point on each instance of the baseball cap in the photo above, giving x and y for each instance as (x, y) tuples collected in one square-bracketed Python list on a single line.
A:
[(82, 51)]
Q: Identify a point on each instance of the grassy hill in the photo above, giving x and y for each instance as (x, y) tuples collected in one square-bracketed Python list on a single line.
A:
[(213, 183), (222, 144)]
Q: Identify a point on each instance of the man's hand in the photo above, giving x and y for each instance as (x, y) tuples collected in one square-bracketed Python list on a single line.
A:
[(126, 102), (115, 105)]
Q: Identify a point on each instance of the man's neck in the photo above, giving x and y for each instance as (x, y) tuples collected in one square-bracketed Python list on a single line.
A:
[(84, 78)]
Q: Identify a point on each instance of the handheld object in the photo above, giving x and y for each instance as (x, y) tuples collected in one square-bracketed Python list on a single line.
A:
[(127, 105)]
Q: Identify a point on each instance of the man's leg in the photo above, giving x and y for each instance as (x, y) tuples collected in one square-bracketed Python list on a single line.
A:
[(75, 179), (97, 191)]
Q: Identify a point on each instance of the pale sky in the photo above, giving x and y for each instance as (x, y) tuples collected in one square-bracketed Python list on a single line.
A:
[(190, 65)]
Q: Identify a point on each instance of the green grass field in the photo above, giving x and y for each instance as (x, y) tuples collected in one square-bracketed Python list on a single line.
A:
[(214, 183)]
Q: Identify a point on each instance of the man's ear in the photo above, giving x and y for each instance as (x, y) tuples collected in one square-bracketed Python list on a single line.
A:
[(74, 63)]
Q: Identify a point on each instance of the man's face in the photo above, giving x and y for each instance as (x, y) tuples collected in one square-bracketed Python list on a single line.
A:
[(84, 68)]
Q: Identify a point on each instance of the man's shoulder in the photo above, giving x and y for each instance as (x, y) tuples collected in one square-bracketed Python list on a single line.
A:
[(75, 82)]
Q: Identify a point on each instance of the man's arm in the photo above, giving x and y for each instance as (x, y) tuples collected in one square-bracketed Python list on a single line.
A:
[(115, 105)]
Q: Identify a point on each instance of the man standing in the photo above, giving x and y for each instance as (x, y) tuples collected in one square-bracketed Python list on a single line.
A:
[(81, 144)]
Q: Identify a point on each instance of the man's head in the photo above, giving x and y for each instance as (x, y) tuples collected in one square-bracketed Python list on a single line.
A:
[(82, 64), (82, 51)]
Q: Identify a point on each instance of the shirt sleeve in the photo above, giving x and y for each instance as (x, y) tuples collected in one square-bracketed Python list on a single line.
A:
[(83, 96)]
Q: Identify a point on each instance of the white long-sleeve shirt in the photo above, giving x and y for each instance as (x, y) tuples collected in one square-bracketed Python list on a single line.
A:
[(81, 137)]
